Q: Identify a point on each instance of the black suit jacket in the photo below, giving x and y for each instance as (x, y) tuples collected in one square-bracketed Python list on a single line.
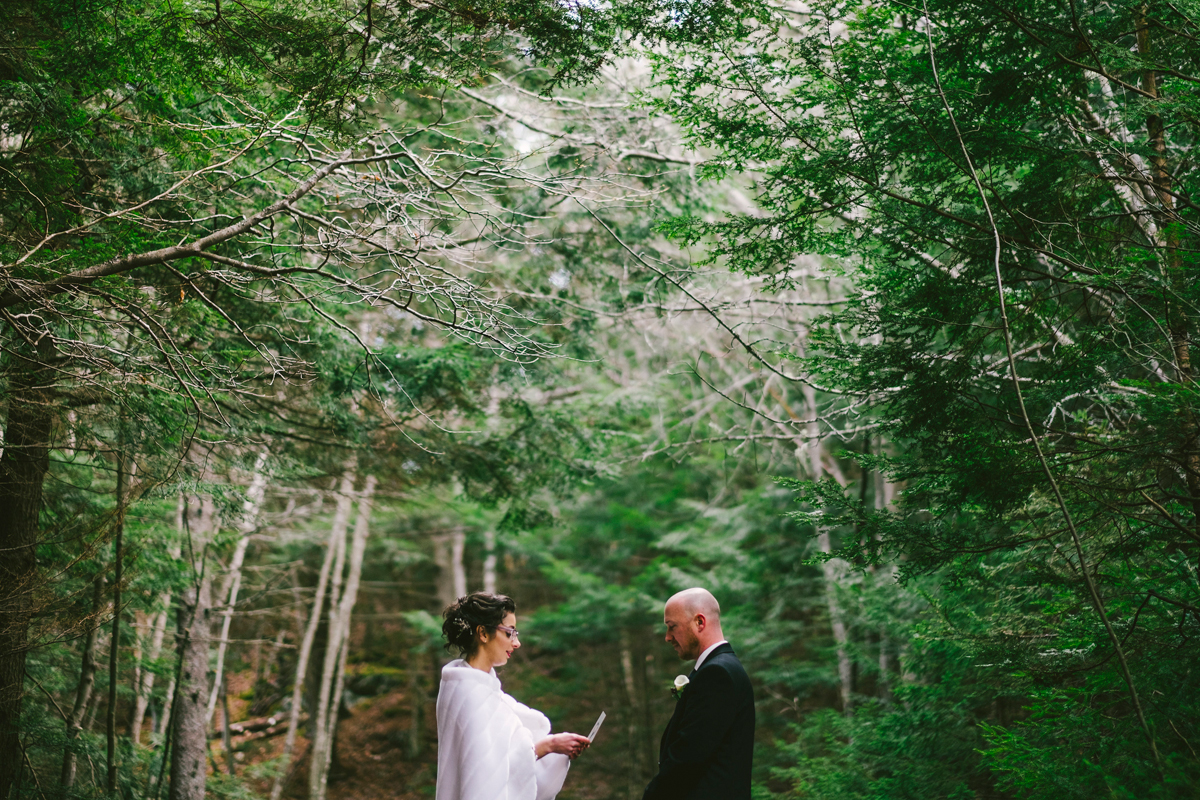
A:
[(708, 746)]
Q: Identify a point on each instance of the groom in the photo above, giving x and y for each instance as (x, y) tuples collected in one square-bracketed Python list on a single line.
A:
[(709, 743)]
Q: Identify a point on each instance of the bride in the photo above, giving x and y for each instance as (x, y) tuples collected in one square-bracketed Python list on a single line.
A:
[(491, 747)]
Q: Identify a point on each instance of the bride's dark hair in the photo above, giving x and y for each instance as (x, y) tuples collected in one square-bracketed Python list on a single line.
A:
[(466, 614)]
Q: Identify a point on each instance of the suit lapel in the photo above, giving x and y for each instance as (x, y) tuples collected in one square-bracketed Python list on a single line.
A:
[(678, 712)]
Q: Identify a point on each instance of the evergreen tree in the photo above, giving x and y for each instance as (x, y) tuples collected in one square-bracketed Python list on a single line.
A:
[(1009, 187)]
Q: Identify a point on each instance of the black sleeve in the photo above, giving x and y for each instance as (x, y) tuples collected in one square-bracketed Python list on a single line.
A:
[(706, 718)]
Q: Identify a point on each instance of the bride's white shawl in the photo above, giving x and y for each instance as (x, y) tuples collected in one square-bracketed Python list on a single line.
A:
[(485, 742)]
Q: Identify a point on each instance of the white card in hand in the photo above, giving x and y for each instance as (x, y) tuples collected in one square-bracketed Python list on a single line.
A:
[(596, 727)]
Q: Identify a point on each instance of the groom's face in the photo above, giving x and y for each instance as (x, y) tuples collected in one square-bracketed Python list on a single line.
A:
[(682, 631)]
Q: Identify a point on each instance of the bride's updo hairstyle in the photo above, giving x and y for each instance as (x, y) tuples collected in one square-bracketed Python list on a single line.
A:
[(467, 614)]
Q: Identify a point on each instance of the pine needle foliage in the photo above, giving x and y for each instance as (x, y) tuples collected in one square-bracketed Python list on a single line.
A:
[(949, 157)]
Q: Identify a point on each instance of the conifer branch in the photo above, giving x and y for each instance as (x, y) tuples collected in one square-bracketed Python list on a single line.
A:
[(1006, 329)]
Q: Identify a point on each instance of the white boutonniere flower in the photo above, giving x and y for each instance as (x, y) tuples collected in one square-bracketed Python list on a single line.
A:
[(681, 682)]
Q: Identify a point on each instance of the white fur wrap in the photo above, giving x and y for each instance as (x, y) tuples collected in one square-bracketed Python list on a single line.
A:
[(485, 742)]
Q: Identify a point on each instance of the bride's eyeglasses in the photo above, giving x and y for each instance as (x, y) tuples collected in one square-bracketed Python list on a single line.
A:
[(512, 633)]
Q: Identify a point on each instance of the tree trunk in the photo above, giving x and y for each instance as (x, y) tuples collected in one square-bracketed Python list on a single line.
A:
[(114, 650), (448, 549), (189, 747), (297, 602), (416, 700), (83, 692), (833, 569), (1168, 224), (167, 705), (650, 736), (635, 750), (489, 561), (883, 500), (362, 528), (141, 624), (89, 720), (146, 684), (306, 645), (23, 467), (226, 732), (233, 580), (320, 729), (885, 669)]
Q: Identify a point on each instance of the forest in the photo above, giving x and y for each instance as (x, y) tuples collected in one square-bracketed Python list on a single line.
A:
[(874, 317)]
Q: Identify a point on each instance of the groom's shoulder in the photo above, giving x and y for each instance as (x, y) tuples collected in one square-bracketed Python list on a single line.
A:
[(722, 673), (726, 660)]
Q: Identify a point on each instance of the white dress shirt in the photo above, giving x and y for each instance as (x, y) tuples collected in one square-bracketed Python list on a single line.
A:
[(704, 655)]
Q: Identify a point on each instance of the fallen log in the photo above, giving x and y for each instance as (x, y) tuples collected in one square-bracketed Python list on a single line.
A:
[(251, 730), (242, 742)]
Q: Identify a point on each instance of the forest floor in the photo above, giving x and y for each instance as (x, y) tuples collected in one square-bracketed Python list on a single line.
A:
[(371, 760), (372, 763)]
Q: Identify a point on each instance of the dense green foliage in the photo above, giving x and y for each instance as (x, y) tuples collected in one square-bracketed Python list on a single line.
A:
[(897, 360), (1039, 153)]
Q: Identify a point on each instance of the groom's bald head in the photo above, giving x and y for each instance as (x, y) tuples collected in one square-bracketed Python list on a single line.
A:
[(697, 601), (693, 620)]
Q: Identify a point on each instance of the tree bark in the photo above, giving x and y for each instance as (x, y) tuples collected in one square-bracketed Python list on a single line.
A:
[(1168, 221), (306, 645), (883, 500), (146, 683), (23, 467), (416, 700), (448, 550), (635, 749), (320, 729), (833, 569), (141, 623), (167, 706), (83, 692), (650, 736), (233, 581), (885, 669), (362, 528), (190, 744), (189, 747), (489, 561), (226, 733), (114, 650)]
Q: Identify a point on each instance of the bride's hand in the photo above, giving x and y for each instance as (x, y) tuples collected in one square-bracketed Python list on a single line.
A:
[(569, 744)]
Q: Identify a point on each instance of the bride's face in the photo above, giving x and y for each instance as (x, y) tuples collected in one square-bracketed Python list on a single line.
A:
[(499, 646)]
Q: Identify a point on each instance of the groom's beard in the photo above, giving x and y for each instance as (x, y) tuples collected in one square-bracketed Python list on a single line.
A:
[(689, 648)]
